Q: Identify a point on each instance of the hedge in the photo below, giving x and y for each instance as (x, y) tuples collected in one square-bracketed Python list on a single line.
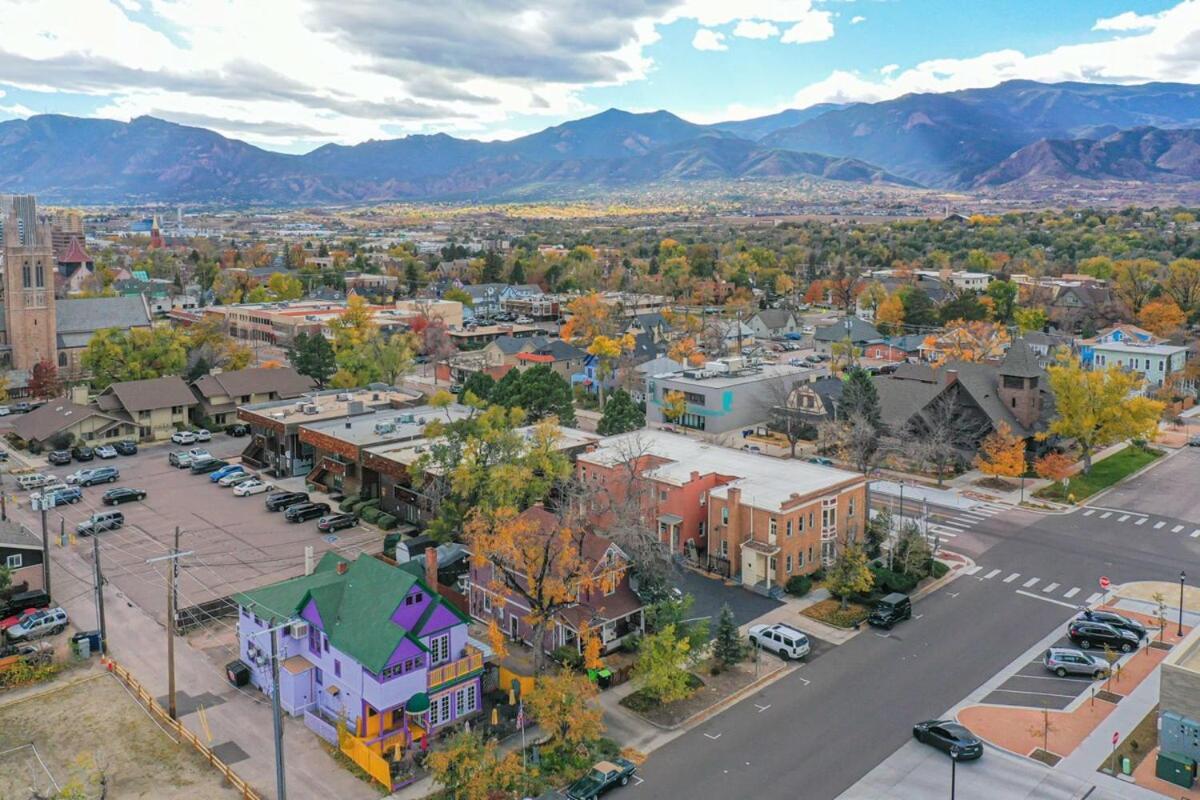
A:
[(387, 521), (347, 502), (893, 581), (799, 585), (371, 514)]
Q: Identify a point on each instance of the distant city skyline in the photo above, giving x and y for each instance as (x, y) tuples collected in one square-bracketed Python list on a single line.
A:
[(292, 75)]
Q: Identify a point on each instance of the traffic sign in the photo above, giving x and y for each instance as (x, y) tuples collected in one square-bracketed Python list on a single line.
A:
[(1116, 738), (1104, 583)]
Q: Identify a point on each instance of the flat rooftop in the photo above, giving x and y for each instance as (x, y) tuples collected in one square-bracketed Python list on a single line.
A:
[(762, 372), (496, 330), (1140, 349), (765, 481), (407, 453), (386, 425), (317, 406)]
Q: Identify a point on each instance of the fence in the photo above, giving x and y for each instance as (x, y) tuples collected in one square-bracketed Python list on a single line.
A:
[(321, 728), (161, 716), (371, 762)]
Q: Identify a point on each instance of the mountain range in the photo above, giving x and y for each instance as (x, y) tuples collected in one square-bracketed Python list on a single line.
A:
[(1003, 136)]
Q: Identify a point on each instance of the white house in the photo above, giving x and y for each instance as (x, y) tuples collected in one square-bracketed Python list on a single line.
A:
[(1155, 361)]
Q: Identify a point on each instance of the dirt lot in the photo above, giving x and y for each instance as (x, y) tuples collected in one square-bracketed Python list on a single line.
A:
[(235, 543), (83, 726)]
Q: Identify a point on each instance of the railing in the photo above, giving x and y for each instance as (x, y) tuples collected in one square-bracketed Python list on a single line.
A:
[(456, 669)]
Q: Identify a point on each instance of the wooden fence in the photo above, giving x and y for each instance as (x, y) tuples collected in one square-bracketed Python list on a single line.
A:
[(161, 715), (371, 762)]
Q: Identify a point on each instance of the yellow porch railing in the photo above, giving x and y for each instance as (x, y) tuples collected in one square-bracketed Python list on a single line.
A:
[(446, 673)]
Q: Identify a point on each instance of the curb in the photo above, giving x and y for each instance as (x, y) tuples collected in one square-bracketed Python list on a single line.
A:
[(722, 704), (1166, 455), (946, 579)]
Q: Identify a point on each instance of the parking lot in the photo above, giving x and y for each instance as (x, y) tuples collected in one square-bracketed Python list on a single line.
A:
[(1034, 686), (233, 543)]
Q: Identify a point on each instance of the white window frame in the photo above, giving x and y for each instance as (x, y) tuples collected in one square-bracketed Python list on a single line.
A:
[(14, 561), (465, 700), (439, 646), (439, 709)]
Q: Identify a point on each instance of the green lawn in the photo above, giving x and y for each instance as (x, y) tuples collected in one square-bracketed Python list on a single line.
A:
[(1103, 475)]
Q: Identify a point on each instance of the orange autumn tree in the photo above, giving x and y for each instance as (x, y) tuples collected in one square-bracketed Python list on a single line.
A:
[(565, 707), (590, 317), (1053, 467), (969, 341), (1002, 453), (1162, 317), (686, 351), (537, 560), (889, 316)]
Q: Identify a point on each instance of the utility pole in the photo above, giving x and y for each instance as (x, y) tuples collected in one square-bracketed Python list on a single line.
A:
[(99, 574), (174, 557), (45, 548), (277, 713)]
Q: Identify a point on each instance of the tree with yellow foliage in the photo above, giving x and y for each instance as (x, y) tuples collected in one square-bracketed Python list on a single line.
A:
[(1162, 317), (1002, 453), (565, 708), (607, 350), (1097, 408), (470, 768), (969, 341), (889, 315), (589, 317), (354, 326), (674, 406)]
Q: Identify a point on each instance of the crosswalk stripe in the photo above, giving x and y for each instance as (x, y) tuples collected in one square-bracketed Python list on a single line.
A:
[(1122, 518), (972, 570), (1071, 593), (1141, 521), (1012, 577), (965, 517), (949, 534), (1106, 515), (948, 524), (1029, 583), (1196, 533), (1158, 525), (1177, 529), (1094, 597), (1049, 587), (1089, 512), (991, 574)]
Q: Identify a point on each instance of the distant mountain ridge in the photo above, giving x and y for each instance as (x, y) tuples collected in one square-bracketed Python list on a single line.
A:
[(960, 140)]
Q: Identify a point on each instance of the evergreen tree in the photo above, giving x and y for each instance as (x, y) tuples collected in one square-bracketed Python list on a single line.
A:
[(918, 310), (507, 390), (480, 384), (517, 276), (493, 267), (621, 415), (859, 396), (312, 355), (542, 392), (728, 647), (412, 274)]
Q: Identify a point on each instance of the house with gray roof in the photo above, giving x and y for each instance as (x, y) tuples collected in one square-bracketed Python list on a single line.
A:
[(61, 420), (220, 393), (157, 406), (859, 332), (771, 323)]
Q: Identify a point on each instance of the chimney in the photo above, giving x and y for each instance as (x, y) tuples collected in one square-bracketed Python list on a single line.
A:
[(951, 377), (342, 567), (695, 476), (308, 559), (431, 568), (735, 496), (79, 394)]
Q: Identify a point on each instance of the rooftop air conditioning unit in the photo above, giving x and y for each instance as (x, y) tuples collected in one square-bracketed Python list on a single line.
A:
[(298, 630), (344, 396), (384, 427), (311, 408)]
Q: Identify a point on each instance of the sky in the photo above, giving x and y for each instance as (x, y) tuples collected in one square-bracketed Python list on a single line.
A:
[(292, 75)]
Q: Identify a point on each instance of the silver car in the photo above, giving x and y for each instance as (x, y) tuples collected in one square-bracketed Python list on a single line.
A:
[(1063, 661)]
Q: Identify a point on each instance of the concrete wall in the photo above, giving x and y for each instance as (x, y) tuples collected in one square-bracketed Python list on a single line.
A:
[(1179, 687)]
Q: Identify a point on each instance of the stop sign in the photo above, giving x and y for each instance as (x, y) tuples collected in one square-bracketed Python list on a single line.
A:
[(1116, 738), (1104, 583)]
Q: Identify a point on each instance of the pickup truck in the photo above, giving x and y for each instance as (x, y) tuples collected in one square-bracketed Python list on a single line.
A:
[(603, 776)]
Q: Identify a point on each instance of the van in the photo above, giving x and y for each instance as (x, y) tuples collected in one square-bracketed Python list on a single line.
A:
[(100, 521), (891, 609), (23, 601)]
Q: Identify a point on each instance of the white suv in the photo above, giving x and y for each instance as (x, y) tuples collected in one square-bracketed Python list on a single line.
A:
[(183, 437), (33, 624), (783, 640)]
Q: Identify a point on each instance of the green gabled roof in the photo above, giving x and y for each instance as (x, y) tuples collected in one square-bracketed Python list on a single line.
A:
[(284, 600)]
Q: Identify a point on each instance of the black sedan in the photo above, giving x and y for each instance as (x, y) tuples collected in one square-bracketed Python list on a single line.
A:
[(126, 447), (1088, 634), (281, 500), (1115, 620), (335, 522), (83, 453), (949, 736), (237, 430), (122, 494), (302, 512)]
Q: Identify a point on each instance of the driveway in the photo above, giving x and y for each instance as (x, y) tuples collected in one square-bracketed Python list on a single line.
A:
[(1146, 494), (710, 594)]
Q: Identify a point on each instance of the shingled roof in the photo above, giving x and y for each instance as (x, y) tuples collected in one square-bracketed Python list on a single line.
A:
[(149, 394), (1020, 361)]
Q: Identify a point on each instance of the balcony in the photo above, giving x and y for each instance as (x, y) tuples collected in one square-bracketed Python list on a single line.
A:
[(447, 673)]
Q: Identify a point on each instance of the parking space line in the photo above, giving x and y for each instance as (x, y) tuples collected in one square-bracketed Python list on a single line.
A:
[(1037, 694), (1071, 593), (1049, 587), (1093, 597), (1029, 583), (1177, 529), (1122, 518), (1050, 678), (1044, 599), (991, 574), (1012, 577), (1196, 533), (1089, 512), (1106, 515), (970, 518), (1141, 521), (972, 570), (1158, 525)]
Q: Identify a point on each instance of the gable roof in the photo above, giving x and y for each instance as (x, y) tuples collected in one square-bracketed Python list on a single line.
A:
[(774, 317), (510, 345), (149, 394), (56, 415), (860, 331), (90, 314), (356, 605), (283, 381)]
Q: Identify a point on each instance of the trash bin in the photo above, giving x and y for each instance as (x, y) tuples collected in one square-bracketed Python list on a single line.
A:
[(1126, 765), (237, 673), (81, 645), (605, 677)]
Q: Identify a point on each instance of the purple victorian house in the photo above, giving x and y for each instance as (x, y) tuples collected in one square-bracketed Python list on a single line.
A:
[(368, 643)]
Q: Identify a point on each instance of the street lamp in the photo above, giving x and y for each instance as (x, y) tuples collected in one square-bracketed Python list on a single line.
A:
[(955, 752), (1182, 578)]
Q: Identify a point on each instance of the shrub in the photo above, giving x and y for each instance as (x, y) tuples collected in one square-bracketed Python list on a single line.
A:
[(799, 585), (818, 574), (387, 521), (371, 514), (889, 581), (35, 448), (347, 502), (939, 569), (569, 657), (357, 506)]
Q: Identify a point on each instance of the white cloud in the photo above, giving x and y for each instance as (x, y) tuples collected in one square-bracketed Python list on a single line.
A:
[(858, 19), (753, 29), (817, 26), (888, 69), (1128, 21), (706, 39)]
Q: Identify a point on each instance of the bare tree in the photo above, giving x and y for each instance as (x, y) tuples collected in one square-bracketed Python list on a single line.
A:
[(939, 435), (862, 444), (784, 413)]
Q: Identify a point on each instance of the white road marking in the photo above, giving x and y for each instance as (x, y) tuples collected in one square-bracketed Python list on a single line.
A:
[(1045, 599), (1118, 511), (1071, 593), (1158, 525), (1049, 587), (714, 738), (1122, 518), (960, 526), (1196, 533), (936, 530), (970, 518), (1177, 529), (1106, 515), (991, 574), (762, 708), (640, 780), (806, 680), (1141, 521), (1038, 694), (1029, 583), (883, 635), (1093, 597), (972, 570), (1012, 577), (1089, 512)]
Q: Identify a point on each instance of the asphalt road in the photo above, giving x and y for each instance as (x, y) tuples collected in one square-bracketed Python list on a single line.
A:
[(1162, 490), (815, 733)]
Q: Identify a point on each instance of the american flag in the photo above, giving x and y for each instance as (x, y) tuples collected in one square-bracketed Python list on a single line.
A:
[(521, 717)]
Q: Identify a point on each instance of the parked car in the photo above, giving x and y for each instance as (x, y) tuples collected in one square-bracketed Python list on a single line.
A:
[(889, 610), (183, 437), (783, 640), (106, 451), (228, 469), (24, 601), (35, 624), (523, 320), (234, 478), (281, 500), (302, 512), (122, 494), (34, 480), (1115, 620), (603, 776), (821, 460), (1063, 661), (335, 522), (1194, 441), (126, 447), (77, 476), (203, 466), (57, 494), (59, 457), (100, 521), (949, 736), (83, 453), (1087, 634), (203, 435), (22, 407), (237, 430), (5, 411), (252, 486), (101, 475)]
